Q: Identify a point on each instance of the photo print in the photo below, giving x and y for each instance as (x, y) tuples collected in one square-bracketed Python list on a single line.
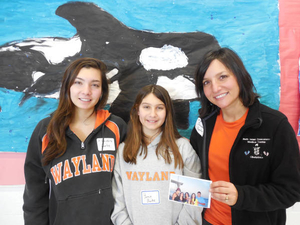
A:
[(189, 190)]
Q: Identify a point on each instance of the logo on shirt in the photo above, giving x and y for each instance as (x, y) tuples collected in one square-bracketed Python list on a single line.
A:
[(148, 176), (258, 149), (78, 166)]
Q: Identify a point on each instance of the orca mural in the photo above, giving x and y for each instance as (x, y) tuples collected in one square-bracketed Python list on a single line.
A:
[(141, 42), (134, 58)]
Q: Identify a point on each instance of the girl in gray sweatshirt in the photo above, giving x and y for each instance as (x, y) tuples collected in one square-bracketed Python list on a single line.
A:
[(152, 151)]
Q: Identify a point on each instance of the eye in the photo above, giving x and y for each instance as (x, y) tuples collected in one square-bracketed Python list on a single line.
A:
[(77, 82), (160, 108), (96, 85), (205, 82), (222, 77)]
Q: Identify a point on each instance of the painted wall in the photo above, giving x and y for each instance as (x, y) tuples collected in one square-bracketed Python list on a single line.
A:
[(40, 40), (29, 23), (251, 28)]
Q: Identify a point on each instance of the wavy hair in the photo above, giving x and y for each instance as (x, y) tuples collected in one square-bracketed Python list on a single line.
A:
[(232, 62), (135, 136), (63, 116)]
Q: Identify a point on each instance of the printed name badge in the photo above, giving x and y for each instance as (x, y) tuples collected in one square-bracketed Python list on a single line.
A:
[(150, 197), (108, 145)]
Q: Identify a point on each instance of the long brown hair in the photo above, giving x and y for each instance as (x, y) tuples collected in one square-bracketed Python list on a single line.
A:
[(135, 135), (64, 114)]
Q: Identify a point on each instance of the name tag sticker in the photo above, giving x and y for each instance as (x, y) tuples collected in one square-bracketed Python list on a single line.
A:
[(150, 197), (108, 145)]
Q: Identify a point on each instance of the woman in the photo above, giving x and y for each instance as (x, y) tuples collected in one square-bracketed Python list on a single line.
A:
[(176, 195), (187, 198), (181, 197), (248, 150), (153, 150), (194, 200), (70, 157)]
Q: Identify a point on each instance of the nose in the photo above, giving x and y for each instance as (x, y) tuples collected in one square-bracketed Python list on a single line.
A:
[(86, 89), (153, 112), (215, 86)]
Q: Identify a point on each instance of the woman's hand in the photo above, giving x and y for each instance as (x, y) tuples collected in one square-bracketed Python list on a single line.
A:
[(223, 191)]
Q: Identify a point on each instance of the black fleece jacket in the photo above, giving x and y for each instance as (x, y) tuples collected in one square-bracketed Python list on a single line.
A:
[(264, 165)]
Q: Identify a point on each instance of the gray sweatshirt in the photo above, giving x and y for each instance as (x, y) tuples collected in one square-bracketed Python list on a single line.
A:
[(141, 190)]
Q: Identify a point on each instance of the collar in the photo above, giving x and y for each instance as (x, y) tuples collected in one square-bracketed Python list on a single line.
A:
[(155, 142)]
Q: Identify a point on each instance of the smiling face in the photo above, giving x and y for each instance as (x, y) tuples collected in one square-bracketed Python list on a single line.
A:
[(193, 196), (86, 90), (220, 87), (152, 114)]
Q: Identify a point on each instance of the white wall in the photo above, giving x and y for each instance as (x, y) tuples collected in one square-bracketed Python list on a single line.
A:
[(11, 201)]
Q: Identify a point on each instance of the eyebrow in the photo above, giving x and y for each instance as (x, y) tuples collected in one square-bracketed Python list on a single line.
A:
[(224, 71), (79, 78), (146, 103)]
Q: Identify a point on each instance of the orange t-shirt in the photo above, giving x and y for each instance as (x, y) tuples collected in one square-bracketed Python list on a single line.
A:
[(222, 139)]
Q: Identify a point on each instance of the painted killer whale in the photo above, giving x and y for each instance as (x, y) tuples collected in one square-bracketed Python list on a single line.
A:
[(134, 58)]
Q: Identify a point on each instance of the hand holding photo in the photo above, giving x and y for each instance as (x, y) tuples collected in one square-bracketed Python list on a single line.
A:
[(189, 190)]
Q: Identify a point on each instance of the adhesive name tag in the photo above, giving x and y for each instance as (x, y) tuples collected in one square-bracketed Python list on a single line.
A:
[(150, 197), (107, 145)]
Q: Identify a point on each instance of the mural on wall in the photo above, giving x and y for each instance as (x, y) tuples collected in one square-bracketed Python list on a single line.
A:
[(142, 42), (134, 59)]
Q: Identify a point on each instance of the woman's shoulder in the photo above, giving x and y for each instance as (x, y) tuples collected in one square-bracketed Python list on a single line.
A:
[(41, 128), (184, 144), (116, 119), (267, 111), (43, 123), (183, 141), (121, 146), (270, 115)]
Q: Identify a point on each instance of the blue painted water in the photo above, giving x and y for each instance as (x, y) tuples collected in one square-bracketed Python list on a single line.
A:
[(248, 27)]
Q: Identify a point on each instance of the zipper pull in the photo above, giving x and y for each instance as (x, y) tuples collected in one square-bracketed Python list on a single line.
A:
[(99, 191), (82, 146)]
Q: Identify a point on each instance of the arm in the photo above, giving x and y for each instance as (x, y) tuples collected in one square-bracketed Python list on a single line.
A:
[(283, 188), (201, 203), (36, 193), (192, 167), (120, 214)]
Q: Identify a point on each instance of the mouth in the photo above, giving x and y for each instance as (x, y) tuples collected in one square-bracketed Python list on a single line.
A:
[(151, 121), (221, 96), (85, 99)]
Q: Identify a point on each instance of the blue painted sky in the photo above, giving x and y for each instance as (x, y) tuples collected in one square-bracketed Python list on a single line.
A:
[(248, 27)]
